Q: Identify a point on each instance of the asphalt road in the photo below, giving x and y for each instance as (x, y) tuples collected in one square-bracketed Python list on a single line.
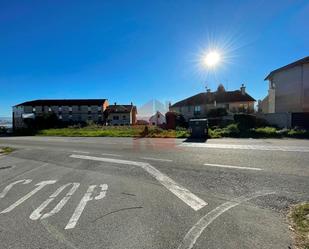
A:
[(150, 193)]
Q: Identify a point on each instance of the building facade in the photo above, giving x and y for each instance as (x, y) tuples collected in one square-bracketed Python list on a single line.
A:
[(121, 114), (66, 110), (157, 119), (199, 105), (288, 89)]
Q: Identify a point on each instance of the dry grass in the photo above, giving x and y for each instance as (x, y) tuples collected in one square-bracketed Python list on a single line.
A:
[(6, 150), (299, 219)]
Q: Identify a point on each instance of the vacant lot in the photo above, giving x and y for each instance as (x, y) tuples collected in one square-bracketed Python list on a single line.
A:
[(115, 131)]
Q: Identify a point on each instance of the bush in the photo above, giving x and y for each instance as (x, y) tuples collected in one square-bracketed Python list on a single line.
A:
[(232, 129), (181, 121), (245, 121), (266, 132), (3, 130), (298, 133)]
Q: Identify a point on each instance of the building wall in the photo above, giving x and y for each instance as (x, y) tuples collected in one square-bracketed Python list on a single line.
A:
[(291, 90), (264, 105), (281, 120), (120, 118), (306, 87)]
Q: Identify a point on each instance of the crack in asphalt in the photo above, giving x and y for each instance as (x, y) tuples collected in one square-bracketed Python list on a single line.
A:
[(116, 211)]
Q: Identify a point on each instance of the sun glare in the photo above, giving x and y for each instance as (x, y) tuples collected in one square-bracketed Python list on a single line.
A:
[(211, 59)]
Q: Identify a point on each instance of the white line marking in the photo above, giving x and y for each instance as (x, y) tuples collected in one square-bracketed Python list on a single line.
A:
[(230, 166), (102, 194), (82, 152), (181, 192), (157, 159), (247, 147), (107, 154), (82, 204), (39, 185), (37, 213), (195, 232), (8, 187)]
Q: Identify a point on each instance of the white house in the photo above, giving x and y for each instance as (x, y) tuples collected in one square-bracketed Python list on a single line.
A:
[(157, 119)]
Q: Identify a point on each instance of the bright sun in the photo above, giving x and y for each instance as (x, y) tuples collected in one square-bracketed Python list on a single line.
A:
[(211, 59)]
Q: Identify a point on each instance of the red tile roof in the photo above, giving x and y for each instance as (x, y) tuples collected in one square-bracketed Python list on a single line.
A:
[(219, 97), (120, 108)]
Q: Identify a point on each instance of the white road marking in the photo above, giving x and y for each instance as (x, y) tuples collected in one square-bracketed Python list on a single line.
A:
[(37, 213), (247, 147), (83, 202), (157, 159), (40, 185), (181, 192), (102, 194), (8, 187), (82, 152), (107, 154), (195, 232), (230, 166)]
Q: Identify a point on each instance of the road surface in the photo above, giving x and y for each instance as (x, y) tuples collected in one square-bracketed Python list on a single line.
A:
[(129, 193)]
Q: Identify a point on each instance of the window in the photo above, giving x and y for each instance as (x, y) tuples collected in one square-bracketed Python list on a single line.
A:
[(115, 117), (189, 108), (70, 108), (60, 116), (60, 108), (89, 109), (33, 109), (79, 108), (89, 117), (99, 109), (124, 117), (49, 109), (197, 110)]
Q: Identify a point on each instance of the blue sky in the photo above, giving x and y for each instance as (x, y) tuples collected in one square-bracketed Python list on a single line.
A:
[(141, 50)]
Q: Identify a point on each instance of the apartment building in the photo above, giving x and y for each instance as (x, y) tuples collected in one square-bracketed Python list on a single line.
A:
[(67, 110)]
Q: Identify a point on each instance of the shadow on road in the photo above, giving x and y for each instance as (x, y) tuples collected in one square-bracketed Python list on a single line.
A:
[(195, 140)]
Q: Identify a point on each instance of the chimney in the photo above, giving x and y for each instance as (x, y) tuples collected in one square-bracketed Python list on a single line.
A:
[(208, 90), (132, 103), (243, 89)]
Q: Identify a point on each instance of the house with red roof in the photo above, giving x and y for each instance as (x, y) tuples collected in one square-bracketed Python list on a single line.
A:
[(199, 105), (121, 114)]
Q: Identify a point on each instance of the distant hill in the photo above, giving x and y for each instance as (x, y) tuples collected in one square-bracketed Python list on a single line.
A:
[(6, 121)]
